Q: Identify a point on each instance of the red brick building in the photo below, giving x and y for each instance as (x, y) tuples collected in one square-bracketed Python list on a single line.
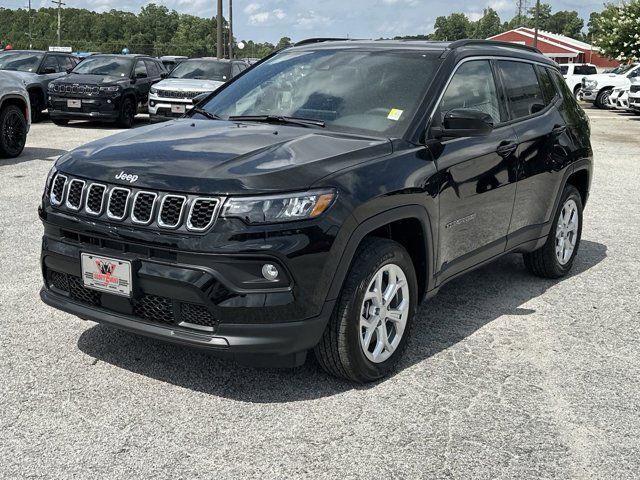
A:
[(558, 47)]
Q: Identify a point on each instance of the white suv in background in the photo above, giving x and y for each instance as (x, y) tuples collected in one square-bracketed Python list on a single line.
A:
[(173, 96), (598, 88), (573, 74), (634, 95)]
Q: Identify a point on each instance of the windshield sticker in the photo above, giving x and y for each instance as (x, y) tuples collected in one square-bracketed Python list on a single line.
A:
[(395, 114)]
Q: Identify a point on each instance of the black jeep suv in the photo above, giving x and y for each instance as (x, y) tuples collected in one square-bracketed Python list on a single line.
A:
[(317, 199), (110, 88)]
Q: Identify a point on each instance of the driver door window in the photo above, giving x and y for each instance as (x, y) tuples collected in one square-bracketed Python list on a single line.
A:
[(473, 86), (50, 62), (141, 70)]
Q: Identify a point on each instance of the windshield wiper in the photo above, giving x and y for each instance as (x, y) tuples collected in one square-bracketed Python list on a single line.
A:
[(206, 113), (281, 119)]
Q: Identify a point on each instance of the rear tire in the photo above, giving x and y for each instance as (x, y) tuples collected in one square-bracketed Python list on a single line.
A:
[(602, 100), (60, 122), (13, 131), (555, 258), (368, 331), (127, 113)]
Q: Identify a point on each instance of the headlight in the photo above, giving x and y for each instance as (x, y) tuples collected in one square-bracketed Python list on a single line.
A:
[(590, 83), (279, 208), (51, 86), (153, 90), (112, 89)]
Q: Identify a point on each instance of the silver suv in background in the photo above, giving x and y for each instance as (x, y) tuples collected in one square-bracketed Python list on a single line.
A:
[(15, 118), (173, 96)]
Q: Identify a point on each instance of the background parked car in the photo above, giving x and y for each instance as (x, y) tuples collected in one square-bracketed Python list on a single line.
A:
[(634, 95), (619, 98), (15, 119), (573, 74), (111, 88), (173, 96), (598, 88), (170, 61), (37, 69)]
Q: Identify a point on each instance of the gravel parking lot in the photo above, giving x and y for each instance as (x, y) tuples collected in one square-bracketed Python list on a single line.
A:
[(506, 375)]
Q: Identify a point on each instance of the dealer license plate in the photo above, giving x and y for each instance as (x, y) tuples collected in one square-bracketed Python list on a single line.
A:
[(71, 103), (106, 274), (177, 109)]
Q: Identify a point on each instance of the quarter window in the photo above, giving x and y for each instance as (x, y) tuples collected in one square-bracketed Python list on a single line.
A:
[(524, 94), (472, 87), (548, 89)]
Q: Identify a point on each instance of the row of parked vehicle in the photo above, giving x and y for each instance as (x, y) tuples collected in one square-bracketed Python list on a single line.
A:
[(619, 88), (111, 88)]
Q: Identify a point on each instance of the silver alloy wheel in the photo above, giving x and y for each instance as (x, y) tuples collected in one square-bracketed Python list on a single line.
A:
[(567, 232), (384, 313)]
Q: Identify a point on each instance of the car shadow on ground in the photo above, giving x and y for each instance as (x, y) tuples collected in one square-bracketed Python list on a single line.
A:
[(33, 153), (461, 308), (140, 120)]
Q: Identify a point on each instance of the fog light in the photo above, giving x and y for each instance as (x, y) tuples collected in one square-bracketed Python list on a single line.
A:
[(270, 272), (108, 101), (152, 103)]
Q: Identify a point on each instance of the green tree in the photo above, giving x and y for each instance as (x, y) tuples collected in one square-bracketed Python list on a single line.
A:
[(565, 23), (283, 43), (454, 27), (488, 25), (617, 32)]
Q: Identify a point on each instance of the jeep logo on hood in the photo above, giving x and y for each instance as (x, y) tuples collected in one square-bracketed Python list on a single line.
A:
[(128, 177)]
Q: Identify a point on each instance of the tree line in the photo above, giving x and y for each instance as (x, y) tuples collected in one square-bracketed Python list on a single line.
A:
[(155, 30)]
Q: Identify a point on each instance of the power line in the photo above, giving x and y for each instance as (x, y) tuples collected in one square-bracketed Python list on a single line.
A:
[(59, 3)]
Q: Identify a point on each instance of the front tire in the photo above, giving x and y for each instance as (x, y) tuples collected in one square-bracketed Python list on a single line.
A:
[(368, 330), (13, 131), (555, 258), (60, 122), (602, 100), (127, 113)]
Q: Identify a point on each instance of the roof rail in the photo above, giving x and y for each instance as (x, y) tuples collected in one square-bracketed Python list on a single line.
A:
[(465, 42), (308, 41)]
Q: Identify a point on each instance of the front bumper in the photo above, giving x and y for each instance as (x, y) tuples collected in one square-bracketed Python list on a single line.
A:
[(161, 109), (96, 108), (589, 95), (634, 102)]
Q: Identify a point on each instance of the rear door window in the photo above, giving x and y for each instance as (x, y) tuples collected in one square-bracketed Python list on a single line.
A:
[(585, 70), (141, 69), (151, 68), (473, 86), (524, 94), (51, 61)]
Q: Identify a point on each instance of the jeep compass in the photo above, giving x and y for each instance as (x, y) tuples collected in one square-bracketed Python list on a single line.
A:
[(314, 202)]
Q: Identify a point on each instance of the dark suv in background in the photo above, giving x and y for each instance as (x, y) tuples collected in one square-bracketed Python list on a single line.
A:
[(112, 88), (36, 69), (315, 201)]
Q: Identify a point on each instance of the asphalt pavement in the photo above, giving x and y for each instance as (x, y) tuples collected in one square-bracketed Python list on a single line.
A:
[(506, 375)]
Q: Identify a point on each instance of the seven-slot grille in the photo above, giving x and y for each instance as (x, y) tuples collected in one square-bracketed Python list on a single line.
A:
[(139, 207), (82, 89), (176, 94)]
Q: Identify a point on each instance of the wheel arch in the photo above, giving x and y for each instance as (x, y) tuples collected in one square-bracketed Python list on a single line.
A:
[(18, 101), (394, 224), (581, 179), (40, 92)]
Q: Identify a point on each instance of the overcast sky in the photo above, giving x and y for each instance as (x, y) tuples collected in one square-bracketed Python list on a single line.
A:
[(269, 20)]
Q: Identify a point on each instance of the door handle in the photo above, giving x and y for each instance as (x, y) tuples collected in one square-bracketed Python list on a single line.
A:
[(506, 148), (559, 129)]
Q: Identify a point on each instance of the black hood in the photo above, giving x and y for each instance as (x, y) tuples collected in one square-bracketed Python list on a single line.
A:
[(90, 79), (211, 156)]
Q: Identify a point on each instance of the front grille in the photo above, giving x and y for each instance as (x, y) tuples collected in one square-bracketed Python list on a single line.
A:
[(79, 89), (154, 308), (202, 213), (57, 189), (634, 88), (143, 203), (74, 194), (118, 201), (59, 280), (171, 211), (95, 199), (177, 94), (197, 315), (80, 293), (130, 206)]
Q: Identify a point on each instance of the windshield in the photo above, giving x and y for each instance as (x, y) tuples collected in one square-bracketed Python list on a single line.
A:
[(20, 61), (118, 67), (373, 92), (622, 69), (202, 70)]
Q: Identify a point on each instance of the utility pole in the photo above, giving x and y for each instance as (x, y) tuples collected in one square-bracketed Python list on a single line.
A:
[(535, 36), (230, 29), (30, 41), (219, 30), (59, 3)]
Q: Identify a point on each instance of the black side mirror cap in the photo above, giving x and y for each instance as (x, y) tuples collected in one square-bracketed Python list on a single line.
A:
[(466, 122), (198, 98)]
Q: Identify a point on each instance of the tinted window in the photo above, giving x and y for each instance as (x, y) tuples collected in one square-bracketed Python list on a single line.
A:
[(546, 83), (50, 62), (564, 69), (585, 70), (66, 63), (235, 69), (473, 87), (372, 91), (103, 65), (141, 69), (203, 70), (524, 94), (152, 69), (562, 86), (20, 61)]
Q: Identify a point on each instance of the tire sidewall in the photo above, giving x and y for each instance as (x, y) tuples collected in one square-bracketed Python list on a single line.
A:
[(125, 120), (600, 98), (368, 369), (570, 192), (3, 116)]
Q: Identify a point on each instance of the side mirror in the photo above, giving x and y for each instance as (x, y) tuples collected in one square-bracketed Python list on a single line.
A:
[(198, 98), (164, 75), (49, 70), (466, 122)]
